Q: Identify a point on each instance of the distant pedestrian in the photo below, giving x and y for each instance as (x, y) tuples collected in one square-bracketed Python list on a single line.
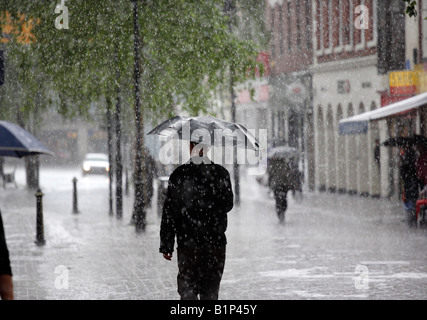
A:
[(377, 152), (282, 177), (6, 283), (198, 199), (151, 174), (1, 166), (410, 181), (421, 164)]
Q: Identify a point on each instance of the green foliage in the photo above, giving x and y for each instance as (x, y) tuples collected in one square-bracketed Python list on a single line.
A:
[(186, 51), (411, 8)]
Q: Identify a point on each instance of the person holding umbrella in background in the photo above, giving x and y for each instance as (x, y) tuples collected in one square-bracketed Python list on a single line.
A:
[(15, 142), (410, 180), (413, 169), (421, 163)]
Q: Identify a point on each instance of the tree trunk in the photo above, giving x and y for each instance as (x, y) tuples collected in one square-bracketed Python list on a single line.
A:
[(110, 153), (31, 164), (139, 206), (119, 165)]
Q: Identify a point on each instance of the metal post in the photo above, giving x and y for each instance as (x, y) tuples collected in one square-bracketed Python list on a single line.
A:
[(39, 220), (126, 182), (75, 210), (110, 156)]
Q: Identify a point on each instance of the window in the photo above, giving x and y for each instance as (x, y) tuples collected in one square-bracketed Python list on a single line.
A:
[(308, 23), (349, 27), (329, 28), (281, 29), (298, 16), (319, 28)]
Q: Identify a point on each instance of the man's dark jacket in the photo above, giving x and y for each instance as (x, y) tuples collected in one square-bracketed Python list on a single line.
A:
[(196, 205), (4, 253)]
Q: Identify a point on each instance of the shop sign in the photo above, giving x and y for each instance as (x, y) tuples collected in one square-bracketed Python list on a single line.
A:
[(296, 92), (403, 82)]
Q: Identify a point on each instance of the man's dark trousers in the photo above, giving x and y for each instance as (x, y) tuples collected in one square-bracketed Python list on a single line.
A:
[(200, 271)]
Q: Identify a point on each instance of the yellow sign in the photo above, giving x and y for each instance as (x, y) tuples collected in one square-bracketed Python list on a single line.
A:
[(422, 83), (404, 82), (403, 78)]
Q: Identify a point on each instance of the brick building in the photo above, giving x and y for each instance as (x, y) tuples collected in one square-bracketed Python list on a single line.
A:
[(331, 59), (290, 79)]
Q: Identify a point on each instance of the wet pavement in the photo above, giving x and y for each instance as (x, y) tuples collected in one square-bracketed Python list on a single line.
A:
[(331, 247)]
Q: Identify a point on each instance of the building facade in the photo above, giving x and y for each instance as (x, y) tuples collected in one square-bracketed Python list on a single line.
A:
[(344, 57), (345, 82)]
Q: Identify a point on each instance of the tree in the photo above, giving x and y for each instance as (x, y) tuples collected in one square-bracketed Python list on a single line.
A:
[(22, 97), (185, 53)]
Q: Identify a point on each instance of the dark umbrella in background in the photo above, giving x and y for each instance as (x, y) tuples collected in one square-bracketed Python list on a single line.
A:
[(17, 142), (405, 142), (282, 152)]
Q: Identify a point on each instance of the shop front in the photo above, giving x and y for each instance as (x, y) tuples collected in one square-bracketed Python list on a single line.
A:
[(402, 114)]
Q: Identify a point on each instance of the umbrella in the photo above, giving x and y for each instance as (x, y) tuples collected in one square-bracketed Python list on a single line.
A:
[(207, 130), (283, 152), (405, 141), (17, 142)]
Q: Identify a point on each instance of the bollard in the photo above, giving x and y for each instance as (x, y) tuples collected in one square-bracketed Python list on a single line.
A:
[(139, 207), (126, 183), (75, 210), (39, 220)]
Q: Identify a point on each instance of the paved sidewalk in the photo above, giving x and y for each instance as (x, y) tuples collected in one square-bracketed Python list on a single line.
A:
[(103, 257), (92, 255)]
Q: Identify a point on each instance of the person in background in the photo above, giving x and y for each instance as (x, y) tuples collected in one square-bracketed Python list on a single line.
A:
[(410, 181), (1, 167), (421, 163), (6, 283), (377, 152), (151, 174), (281, 179)]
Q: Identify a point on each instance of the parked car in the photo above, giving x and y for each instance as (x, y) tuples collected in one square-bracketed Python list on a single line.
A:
[(95, 163)]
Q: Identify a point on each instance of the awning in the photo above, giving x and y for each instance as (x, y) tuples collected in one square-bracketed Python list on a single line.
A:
[(359, 123)]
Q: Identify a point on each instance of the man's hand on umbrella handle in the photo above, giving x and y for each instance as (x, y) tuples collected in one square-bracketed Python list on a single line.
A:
[(167, 256)]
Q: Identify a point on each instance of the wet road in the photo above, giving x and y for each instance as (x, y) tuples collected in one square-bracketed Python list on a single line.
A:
[(331, 247)]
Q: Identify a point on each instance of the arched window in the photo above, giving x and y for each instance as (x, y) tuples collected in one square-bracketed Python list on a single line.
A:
[(321, 150), (330, 152), (363, 163), (341, 155), (351, 158)]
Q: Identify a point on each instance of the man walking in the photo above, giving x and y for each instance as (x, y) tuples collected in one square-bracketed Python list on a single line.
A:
[(198, 199)]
